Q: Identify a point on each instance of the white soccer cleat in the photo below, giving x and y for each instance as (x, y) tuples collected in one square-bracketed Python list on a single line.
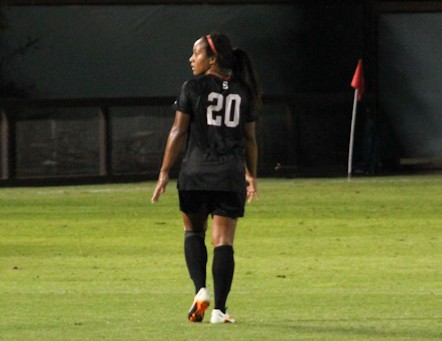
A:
[(199, 306), (219, 317)]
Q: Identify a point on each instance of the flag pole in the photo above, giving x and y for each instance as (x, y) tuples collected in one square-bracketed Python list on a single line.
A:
[(358, 84), (352, 134)]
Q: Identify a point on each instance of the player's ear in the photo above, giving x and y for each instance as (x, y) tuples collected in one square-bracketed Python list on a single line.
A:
[(212, 60)]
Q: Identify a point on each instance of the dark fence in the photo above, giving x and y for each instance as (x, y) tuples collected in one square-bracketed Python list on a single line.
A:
[(101, 140)]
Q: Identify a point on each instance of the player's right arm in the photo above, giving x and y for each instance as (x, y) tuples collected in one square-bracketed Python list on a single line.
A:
[(175, 141)]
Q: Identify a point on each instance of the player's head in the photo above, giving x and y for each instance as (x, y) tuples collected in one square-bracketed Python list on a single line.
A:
[(218, 46), (209, 50), (215, 48)]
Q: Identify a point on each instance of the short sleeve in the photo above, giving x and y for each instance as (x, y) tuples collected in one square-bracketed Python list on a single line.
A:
[(184, 103), (251, 113)]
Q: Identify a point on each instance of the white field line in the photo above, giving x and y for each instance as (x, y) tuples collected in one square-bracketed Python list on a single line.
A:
[(92, 190)]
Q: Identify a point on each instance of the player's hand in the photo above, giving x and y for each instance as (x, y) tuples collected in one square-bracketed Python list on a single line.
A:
[(160, 188), (252, 191)]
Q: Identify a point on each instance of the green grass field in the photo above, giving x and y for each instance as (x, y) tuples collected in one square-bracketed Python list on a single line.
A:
[(316, 259)]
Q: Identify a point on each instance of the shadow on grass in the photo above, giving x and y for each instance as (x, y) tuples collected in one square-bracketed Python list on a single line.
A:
[(412, 328)]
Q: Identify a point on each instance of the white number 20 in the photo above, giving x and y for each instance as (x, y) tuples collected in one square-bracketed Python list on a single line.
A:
[(231, 110)]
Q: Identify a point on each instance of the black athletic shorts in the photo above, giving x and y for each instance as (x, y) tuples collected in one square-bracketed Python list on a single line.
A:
[(222, 203)]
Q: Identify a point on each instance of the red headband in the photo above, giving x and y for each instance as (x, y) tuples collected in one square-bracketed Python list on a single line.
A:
[(212, 46)]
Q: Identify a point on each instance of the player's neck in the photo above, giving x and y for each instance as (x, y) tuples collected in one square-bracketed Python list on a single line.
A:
[(223, 74)]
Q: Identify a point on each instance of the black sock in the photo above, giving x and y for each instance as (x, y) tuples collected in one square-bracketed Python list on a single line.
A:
[(195, 253), (222, 270)]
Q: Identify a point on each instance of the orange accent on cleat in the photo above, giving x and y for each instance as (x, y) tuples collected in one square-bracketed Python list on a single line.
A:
[(197, 313), (199, 306)]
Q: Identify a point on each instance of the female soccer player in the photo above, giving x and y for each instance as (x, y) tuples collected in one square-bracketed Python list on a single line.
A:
[(215, 116)]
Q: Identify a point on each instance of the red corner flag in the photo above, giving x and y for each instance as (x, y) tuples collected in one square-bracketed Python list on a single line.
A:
[(358, 81)]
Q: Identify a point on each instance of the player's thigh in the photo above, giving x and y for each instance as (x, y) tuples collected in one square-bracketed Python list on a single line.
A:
[(195, 222)]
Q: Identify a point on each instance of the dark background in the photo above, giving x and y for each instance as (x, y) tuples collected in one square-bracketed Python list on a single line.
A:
[(143, 50), (63, 62)]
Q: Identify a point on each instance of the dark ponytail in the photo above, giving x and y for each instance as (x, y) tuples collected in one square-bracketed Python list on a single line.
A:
[(243, 69), (236, 60)]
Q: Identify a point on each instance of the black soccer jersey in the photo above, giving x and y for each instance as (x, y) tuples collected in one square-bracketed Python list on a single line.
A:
[(214, 156)]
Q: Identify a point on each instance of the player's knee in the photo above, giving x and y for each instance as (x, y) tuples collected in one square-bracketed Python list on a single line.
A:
[(221, 240), (191, 233)]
